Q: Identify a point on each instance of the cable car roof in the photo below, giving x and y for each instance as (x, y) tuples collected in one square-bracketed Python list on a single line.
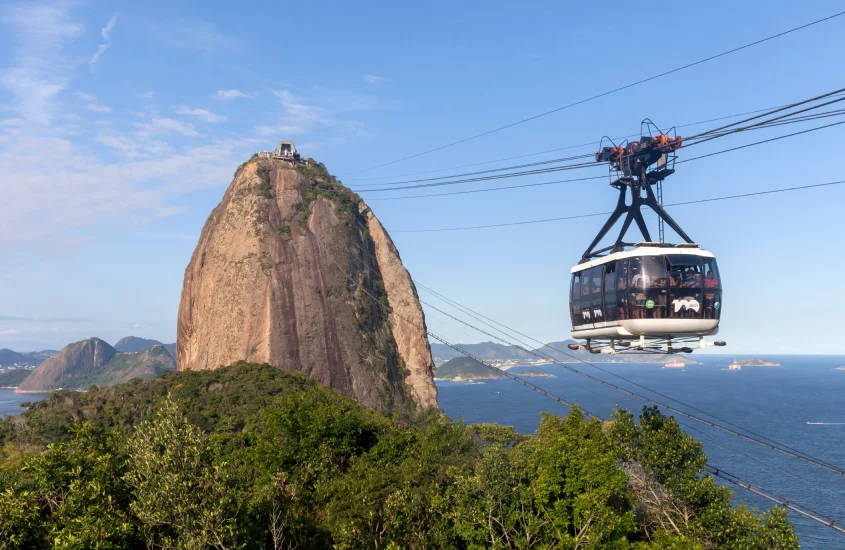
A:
[(646, 249)]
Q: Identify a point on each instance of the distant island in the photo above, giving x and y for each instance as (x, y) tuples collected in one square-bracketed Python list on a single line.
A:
[(465, 369), (537, 373), (755, 363)]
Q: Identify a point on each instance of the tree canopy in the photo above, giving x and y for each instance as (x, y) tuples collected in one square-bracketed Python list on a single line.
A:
[(250, 456)]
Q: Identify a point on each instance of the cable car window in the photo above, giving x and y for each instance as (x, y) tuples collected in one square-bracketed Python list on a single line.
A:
[(685, 304), (585, 283), (654, 271), (622, 305), (576, 314), (610, 276), (711, 274), (647, 304), (684, 271), (712, 304), (610, 309), (595, 281), (576, 287), (635, 274), (621, 274)]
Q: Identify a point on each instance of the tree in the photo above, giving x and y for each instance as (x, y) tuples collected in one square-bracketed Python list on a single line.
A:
[(178, 492)]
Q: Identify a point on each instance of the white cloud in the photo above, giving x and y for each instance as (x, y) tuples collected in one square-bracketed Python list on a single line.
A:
[(202, 114), (84, 96), (40, 70), (195, 34), (61, 187), (298, 113), (228, 95), (98, 108), (9, 331), (105, 32), (372, 79), (147, 95), (162, 125), (283, 129)]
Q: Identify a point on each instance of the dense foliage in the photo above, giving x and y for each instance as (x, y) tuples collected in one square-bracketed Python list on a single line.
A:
[(11, 378), (253, 457)]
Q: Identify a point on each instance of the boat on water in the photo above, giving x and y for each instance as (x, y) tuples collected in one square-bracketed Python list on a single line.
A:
[(734, 366), (674, 365)]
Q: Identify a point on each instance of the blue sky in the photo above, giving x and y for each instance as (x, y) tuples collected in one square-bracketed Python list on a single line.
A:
[(121, 124)]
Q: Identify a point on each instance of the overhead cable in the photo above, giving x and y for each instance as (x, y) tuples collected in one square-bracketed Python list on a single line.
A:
[(603, 94)]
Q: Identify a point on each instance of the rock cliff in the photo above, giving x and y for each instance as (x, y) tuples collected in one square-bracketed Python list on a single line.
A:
[(292, 269)]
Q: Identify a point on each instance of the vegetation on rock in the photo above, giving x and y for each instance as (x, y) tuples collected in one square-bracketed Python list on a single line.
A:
[(11, 378), (465, 368), (251, 456)]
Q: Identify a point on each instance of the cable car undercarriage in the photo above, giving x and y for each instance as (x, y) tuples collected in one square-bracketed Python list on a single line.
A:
[(647, 297)]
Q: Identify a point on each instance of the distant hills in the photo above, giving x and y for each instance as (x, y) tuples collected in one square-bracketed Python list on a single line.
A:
[(131, 344), (10, 358), (559, 351), (12, 378), (94, 362)]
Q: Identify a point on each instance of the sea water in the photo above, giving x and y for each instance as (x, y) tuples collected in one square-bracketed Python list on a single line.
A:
[(776, 402)]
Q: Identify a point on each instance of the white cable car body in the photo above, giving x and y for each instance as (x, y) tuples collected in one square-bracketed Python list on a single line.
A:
[(650, 296)]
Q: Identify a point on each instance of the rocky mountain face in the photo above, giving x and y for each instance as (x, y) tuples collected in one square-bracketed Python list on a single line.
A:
[(292, 269), (75, 360), (131, 344), (94, 362)]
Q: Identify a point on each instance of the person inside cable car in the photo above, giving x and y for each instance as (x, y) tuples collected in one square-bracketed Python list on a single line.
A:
[(710, 280)]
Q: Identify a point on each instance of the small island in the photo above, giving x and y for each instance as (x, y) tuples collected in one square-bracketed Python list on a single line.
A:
[(535, 373), (738, 364), (465, 369)]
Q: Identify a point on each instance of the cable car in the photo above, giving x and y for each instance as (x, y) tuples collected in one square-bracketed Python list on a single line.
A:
[(647, 296)]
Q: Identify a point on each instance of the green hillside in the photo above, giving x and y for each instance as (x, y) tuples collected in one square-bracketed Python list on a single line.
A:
[(250, 456), (465, 368), (11, 378)]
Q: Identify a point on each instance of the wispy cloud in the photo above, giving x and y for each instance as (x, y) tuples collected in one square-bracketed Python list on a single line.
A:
[(228, 95), (147, 95), (202, 114), (8, 318), (195, 34), (85, 96), (40, 70), (98, 108), (105, 32), (373, 79), (163, 125)]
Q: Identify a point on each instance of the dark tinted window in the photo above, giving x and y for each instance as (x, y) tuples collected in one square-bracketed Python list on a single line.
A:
[(621, 274), (576, 287), (712, 304), (610, 277), (595, 280), (611, 310), (622, 305), (684, 271), (711, 274)]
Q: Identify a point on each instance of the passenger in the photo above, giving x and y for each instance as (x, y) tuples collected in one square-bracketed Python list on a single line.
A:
[(710, 280)]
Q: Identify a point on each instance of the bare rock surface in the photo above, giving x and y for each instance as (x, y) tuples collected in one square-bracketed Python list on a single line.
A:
[(74, 361), (292, 269)]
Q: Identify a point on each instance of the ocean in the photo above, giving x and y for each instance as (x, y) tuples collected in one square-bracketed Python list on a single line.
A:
[(777, 402)]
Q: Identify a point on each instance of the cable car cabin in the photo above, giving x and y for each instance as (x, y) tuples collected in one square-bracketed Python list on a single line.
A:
[(650, 292)]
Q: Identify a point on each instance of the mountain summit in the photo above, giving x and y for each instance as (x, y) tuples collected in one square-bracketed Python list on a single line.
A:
[(294, 270)]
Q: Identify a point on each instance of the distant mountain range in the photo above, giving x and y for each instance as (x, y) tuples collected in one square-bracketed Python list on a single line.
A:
[(559, 351), (94, 362), (9, 358), (131, 344)]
